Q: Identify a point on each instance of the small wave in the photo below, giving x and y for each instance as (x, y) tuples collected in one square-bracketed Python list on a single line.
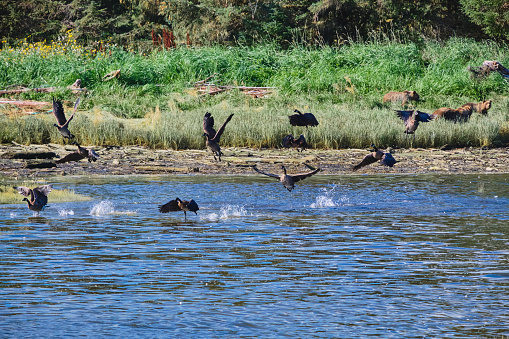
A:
[(64, 212), (227, 212), (327, 199), (103, 208)]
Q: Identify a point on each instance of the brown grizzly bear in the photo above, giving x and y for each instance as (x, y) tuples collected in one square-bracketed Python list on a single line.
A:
[(481, 107), (459, 114), (404, 97)]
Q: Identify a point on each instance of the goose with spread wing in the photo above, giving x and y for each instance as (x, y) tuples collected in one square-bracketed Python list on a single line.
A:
[(385, 158), (213, 137), (180, 205), (412, 118), (36, 198), (303, 119), (290, 141), (288, 180), (62, 123)]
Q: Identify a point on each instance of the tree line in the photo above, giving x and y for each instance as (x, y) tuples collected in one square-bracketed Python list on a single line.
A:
[(249, 22)]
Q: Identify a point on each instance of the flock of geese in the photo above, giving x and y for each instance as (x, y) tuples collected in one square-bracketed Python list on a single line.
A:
[(37, 198)]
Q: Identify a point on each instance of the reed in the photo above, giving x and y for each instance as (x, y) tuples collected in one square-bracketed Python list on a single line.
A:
[(153, 103)]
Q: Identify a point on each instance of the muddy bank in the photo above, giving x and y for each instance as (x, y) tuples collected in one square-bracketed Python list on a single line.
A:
[(140, 160)]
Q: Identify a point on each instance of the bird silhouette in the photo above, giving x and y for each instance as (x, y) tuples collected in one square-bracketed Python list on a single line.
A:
[(412, 118), (288, 180), (81, 153), (38, 196), (62, 123), (290, 141), (213, 137), (303, 119), (179, 205), (385, 158)]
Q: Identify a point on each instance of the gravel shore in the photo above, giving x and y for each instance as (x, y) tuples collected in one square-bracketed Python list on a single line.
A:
[(15, 160)]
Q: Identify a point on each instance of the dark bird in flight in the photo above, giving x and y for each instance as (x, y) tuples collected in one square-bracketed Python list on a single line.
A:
[(38, 196), (290, 141), (63, 123), (412, 118), (81, 153), (288, 180), (213, 137), (179, 205), (385, 158), (302, 119)]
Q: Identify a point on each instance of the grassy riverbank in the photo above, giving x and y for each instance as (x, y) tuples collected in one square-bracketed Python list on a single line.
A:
[(152, 103)]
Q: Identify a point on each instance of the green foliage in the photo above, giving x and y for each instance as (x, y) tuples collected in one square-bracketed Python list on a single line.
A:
[(491, 15)]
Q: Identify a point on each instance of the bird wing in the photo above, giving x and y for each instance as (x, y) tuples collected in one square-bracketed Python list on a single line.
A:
[(267, 174), (368, 159), (388, 160), (297, 119), (24, 191), (75, 156), (300, 176), (93, 154), (425, 117), (41, 194), (311, 119), (192, 206), (58, 112), (302, 141), (287, 141), (208, 125), (72, 115), (221, 129), (404, 115), (170, 206)]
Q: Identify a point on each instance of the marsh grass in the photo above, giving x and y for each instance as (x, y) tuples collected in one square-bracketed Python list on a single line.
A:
[(153, 103), (8, 195)]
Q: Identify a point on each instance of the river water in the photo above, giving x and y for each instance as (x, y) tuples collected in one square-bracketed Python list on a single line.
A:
[(338, 257)]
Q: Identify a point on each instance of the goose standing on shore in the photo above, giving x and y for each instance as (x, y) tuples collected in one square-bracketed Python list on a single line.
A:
[(81, 153), (288, 180), (213, 137), (38, 196), (62, 123), (179, 205), (385, 158), (290, 141)]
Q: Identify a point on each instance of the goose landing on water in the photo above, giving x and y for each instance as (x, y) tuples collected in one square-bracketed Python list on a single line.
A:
[(385, 158), (179, 205), (62, 123), (38, 196), (213, 137), (288, 180)]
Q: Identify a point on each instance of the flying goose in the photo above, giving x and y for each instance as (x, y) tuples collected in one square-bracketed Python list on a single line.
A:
[(38, 196), (179, 205), (412, 118), (302, 119), (81, 153), (288, 180), (63, 123), (213, 136), (290, 141), (385, 158)]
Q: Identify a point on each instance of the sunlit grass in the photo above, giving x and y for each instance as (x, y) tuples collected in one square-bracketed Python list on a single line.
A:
[(151, 103), (8, 195)]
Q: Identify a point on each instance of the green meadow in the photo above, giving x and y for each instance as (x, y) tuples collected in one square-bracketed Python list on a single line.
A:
[(153, 102)]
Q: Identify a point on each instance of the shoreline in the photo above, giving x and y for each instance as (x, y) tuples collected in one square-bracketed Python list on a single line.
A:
[(138, 160)]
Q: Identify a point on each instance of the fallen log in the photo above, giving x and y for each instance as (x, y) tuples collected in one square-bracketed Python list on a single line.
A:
[(29, 155), (24, 103), (24, 90)]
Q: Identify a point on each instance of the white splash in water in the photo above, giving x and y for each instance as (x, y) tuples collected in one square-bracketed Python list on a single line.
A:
[(227, 212), (327, 199), (103, 208), (64, 213)]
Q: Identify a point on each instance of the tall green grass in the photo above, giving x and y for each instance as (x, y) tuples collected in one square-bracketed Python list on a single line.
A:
[(150, 104)]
